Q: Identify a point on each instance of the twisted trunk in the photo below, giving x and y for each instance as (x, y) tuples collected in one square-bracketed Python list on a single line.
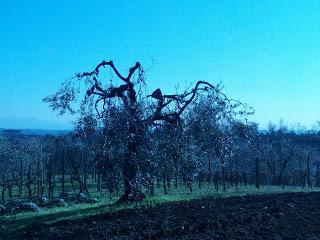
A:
[(129, 170)]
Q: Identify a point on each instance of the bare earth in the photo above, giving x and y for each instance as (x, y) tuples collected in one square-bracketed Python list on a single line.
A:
[(282, 216)]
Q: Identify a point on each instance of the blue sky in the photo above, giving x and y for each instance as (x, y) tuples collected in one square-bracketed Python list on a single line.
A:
[(266, 53)]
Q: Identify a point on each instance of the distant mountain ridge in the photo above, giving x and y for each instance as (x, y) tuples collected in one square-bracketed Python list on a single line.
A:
[(33, 124), (40, 132)]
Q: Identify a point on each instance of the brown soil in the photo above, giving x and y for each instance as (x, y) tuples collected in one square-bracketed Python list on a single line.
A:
[(282, 216)]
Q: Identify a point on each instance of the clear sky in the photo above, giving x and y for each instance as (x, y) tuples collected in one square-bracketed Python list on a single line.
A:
[(266, 53)]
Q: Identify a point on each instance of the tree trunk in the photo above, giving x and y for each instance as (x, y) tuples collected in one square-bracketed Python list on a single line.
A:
[(3, 192), (10, 193), (168, 182), (244, 175), (85, 171), (216, 180), (257, 173), (190, 186), (152, 188), (99, 180), (129, 171), (21, 177), (223, 177), (176, 181), (63, 172), (209, 171), (38, 177), (300, 172), (50, 186), (237, 174), (164, 186), (29, 182), (308, 172)]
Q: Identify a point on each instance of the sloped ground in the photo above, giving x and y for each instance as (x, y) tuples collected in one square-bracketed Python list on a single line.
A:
[(281, 216)]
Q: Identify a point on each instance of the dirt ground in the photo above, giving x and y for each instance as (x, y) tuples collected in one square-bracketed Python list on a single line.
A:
[(282, 216)]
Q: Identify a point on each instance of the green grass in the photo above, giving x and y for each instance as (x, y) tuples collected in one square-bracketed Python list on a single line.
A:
[(17, 222)]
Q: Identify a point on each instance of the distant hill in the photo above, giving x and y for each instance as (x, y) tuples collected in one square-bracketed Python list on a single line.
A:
[(40, 132), (33, 123)]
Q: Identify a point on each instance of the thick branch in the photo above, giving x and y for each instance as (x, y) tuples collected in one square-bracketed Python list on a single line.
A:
[(111, 92), (165, 100), (97, 70)]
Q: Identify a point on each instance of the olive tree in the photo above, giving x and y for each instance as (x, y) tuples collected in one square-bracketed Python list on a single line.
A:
[(93, 90)]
